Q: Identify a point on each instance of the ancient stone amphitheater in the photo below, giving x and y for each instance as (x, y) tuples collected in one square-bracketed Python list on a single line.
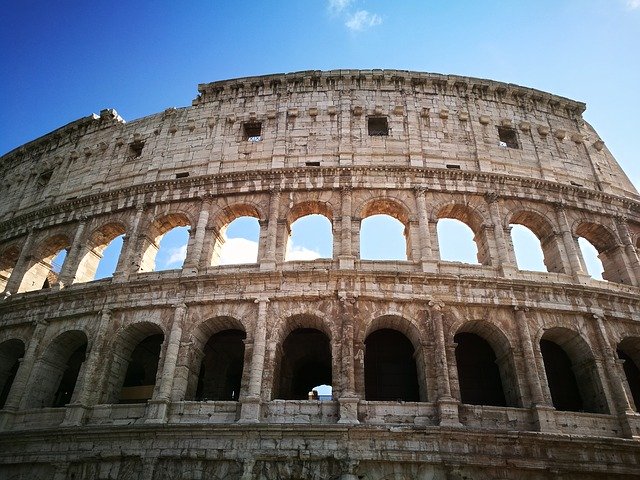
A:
[(439, 369)]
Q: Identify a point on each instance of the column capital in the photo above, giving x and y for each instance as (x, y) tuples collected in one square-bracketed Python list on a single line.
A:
[(179, 305), (436, 305), (261, 299), (491, 197), (420, 189), (520, 308)]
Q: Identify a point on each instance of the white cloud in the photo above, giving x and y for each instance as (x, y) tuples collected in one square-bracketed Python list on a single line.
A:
[(337, 6), (301, 253), (633, 4), (238, 250), (176, 256), (363, 19)]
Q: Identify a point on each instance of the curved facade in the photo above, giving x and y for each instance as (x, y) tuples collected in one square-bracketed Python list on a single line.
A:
[(439, 369)]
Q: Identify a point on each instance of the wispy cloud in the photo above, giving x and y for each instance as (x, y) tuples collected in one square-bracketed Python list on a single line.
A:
[(357, 20), (633, 4), (301, 253), (362, 20), (176, 256), (238, 250), (337, 6)]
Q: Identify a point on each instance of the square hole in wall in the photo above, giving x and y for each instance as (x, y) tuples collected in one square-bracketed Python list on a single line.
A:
[(44, 177), (253, 131), (182, 175), (508, 137), (453, 166), (135, 148), (378, 126), (312, 164)]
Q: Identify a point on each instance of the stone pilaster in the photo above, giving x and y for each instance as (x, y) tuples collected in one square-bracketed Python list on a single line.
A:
[(129, 261), (74, 256), (19, 270), (193, 260), (268, 262), (346, 259)]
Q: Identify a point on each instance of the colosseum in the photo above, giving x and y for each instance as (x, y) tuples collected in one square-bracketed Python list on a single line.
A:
[(439, 369)]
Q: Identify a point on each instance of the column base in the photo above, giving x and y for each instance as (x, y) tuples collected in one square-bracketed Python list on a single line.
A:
[(346, 263), (75, 415), (630, 423), (348, 410), (448, 412), (157, 411), (250, 410), (267, 266), (429, 266), (189, 271), (545, 418), (7, 418)]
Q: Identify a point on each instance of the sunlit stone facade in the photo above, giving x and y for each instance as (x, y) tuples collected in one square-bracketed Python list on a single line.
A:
[(440, 370)]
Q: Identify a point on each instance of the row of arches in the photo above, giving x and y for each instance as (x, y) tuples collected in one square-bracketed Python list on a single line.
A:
[(386, 231), (394, 367)]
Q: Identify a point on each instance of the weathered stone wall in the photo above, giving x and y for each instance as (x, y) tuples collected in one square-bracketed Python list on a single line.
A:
[(316, 156)]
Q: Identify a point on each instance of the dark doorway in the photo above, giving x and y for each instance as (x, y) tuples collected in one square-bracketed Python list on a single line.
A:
[(221, 368), (632, 372), (478, 373), (69, 377), (141, 373), (389, 367), (306, 362), (563, 386), (11, 352)]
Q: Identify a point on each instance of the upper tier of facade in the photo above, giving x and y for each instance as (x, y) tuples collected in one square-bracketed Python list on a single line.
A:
[(306, 120)]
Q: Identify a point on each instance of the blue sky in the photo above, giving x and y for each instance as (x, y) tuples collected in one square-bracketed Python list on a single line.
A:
[(64, 60)]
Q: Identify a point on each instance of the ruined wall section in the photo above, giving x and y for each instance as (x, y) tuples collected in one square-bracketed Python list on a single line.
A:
[(318, 119)]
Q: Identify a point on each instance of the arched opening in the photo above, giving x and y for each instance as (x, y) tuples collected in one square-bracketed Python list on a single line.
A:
[(11, 351), (527, 248), (538, 249), (220, 374), (305, 363), (8, 261), (571, 372), (611, 265), (629, 351), (238, 243), (456, 242), (478, 373), (310, 238), (46, 265), (390, 371), (142, 369), (383, 237), (165, 246), (102, 253), (57, 371), (590, 257)]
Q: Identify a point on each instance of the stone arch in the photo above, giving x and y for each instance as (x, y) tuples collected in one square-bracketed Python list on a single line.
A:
[(11, 351), (472, 218), (394, 208), (226, 333), (571, 372), (304, 357), (124, 345), (40, 269), (8, 259), (97, 242), (57, 371), (394, 362), (609, 251), (628, 351), (304, 209), (543, 228), (498, 369), (155, 230), (216, 237)]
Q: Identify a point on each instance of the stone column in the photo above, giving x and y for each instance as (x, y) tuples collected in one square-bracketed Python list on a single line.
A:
[(268, 262), (74, 256), (158, 406), (429, 263), (502, 247), (630, 250), (129, 260), (348, 399), (21, 380), (88, 383), (22, 264), (250, 412), (194, 254), (346, 259), (447, 405), (615, 377), (570, 244)]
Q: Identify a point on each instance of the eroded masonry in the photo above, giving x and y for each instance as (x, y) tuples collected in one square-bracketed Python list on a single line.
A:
[(439, 369)]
